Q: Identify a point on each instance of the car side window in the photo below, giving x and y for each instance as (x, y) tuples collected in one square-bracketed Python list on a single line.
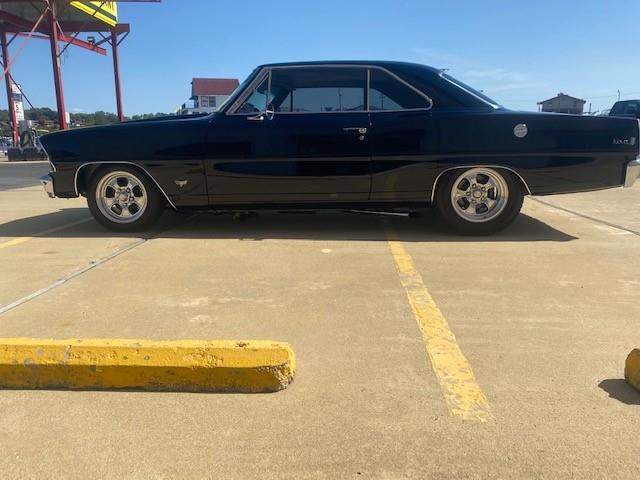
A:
[(388, 93), (318, 89), (257, 101)]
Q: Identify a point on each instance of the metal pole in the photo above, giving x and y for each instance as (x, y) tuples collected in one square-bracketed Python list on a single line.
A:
[(57, 73), (7, 80), (116, 73)]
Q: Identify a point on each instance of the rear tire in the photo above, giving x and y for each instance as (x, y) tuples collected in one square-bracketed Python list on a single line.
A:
[(479, 200), (124, 200)]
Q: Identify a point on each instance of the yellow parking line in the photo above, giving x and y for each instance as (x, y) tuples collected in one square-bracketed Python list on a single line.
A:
[(462, 394), (19, 240)]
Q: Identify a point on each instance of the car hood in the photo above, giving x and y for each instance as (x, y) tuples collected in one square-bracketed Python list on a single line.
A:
[(130, 141)]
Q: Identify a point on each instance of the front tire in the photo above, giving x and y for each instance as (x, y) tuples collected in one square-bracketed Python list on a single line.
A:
[(480, 200), (124, 200)]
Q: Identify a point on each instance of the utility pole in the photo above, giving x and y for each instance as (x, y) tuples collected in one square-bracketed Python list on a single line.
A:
[(618, 95)]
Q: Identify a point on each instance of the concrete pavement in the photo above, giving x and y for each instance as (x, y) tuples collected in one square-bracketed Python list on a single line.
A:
[(544, 312)]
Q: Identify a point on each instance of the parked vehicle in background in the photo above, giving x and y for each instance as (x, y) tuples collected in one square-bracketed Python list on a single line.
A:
[(626, 108), (336, 135)]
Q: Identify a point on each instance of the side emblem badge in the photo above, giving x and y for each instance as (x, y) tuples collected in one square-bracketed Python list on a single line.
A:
[(624, 141), (520, 130), (180, 183)]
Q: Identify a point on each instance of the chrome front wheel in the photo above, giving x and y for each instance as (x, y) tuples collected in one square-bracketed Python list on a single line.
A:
[(124, 199), (121, 196)]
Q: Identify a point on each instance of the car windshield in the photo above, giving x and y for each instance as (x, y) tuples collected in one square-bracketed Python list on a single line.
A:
[(469, 89)]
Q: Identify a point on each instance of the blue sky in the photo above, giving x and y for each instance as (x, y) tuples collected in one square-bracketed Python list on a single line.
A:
[(519, 52)]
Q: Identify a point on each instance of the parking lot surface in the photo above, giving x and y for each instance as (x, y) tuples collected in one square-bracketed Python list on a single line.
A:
[(544, 314)]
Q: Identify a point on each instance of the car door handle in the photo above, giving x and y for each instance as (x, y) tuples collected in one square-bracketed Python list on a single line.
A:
[(360, 130)]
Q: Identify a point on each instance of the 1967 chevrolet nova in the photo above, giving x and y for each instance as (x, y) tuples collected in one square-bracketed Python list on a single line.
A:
[(343, 135)]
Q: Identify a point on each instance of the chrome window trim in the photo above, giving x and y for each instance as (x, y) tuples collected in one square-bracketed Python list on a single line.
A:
[(492, 105), (435, 183), (367, 93), (404, 82), (245, 94), (232, 110), (75, 177)]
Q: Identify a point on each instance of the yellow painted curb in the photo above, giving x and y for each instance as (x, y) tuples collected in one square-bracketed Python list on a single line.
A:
[(632, 368), (181, 365)]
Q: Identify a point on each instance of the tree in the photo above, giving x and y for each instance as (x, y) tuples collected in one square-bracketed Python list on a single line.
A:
[(47, 119)]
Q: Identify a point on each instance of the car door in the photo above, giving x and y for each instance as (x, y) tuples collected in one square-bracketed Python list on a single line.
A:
[(403, 139), (303, 136)]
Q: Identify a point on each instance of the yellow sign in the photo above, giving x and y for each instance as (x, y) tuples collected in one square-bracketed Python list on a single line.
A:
[(103, 11)]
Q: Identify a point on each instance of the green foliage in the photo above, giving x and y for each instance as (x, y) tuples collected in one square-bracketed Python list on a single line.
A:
[(47, 119), (149, 115)]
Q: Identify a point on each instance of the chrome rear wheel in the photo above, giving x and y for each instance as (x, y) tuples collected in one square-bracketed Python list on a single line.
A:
[(479, 200), (479, 195)]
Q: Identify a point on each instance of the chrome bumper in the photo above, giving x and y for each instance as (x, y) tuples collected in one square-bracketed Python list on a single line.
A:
[(632, 173), (47, 184)]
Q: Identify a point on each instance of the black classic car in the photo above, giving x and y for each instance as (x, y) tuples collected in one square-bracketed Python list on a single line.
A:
[(385, 136)]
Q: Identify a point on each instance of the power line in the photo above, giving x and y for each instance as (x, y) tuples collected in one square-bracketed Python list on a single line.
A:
[(588, 97)]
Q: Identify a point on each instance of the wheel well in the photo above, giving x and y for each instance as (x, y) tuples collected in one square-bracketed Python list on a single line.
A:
[(85, 174), (438, 181), (83, 178)]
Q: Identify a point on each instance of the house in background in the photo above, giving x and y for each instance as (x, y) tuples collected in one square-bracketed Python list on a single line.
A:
[(563, 103), (207, 94)]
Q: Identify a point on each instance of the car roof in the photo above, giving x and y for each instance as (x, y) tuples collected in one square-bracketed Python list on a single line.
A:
[(378, 63)]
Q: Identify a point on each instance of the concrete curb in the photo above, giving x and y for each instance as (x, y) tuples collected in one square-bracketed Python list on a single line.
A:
[(182, 365), (632, 368)]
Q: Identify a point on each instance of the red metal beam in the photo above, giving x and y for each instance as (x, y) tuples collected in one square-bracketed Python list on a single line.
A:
[(116, 74), (73, 41), (82, 44), (57, 71), (55, 31), (13, 123)]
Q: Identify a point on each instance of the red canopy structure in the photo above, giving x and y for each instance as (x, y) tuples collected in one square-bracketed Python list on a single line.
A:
[(60, 22)]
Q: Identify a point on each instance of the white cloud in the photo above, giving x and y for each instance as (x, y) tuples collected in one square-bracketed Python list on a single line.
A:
[(481, 76), (498, 74)]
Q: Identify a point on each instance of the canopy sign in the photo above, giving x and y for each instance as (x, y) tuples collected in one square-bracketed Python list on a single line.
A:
[(106, 12)]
